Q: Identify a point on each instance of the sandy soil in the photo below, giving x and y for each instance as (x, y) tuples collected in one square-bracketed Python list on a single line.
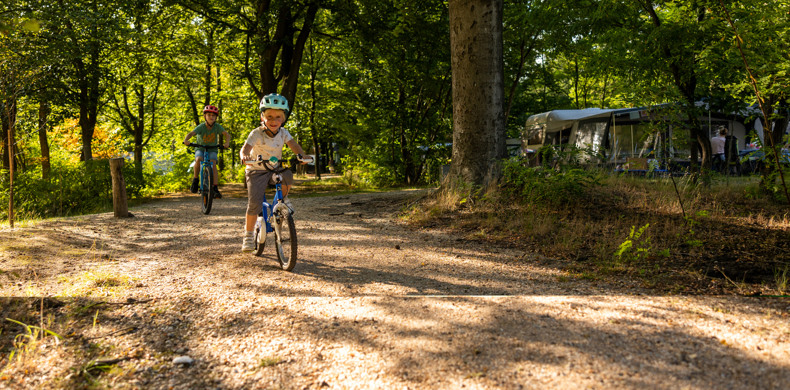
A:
[(372, 303)]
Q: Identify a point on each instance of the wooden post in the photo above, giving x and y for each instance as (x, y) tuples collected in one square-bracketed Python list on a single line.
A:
[(118, 188)]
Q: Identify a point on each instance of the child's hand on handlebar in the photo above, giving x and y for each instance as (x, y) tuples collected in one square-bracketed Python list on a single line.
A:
[(304, 159)]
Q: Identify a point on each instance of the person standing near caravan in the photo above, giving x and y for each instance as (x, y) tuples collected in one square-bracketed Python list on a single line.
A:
[(717, 147)]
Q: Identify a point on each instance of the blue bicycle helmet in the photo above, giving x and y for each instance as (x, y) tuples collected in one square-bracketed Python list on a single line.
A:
[(275, 101)]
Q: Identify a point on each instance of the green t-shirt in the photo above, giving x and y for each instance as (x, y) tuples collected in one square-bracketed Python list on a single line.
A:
[(206, 136)]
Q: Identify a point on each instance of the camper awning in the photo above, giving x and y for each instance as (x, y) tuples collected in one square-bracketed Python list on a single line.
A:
[(558, 119)]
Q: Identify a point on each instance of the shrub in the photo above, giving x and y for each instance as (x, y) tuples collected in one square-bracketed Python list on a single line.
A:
[(546, 186), (71, 189)]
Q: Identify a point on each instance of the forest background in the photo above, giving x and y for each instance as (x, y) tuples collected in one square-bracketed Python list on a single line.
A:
[(369, 81)]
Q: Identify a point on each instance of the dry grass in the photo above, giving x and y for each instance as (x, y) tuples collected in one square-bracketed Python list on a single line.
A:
[(730, 240)]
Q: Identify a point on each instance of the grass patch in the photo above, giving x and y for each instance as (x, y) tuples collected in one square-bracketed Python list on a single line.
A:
[(270, 361), (95, 283), (722, 238)]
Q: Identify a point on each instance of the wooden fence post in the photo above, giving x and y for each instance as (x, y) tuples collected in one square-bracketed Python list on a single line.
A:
[(118, 188)]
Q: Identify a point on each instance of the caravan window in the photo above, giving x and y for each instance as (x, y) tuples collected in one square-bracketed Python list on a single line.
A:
[(590, 134), (633, 140), (561, 137), (533, 135)]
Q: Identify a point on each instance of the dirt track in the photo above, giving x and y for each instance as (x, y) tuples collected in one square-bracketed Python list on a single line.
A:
[(371, 304)]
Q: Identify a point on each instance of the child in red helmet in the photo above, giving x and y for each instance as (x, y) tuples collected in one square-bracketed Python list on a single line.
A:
[(207, 134)]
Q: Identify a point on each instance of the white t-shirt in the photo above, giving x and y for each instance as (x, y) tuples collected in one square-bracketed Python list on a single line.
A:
[(267, 146), (717, 144)]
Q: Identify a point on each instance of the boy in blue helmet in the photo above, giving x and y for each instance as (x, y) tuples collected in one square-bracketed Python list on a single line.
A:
[(267, 141)]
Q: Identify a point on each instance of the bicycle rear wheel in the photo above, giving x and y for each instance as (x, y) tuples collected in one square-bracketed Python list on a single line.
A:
[(205, 189), (285, 239)]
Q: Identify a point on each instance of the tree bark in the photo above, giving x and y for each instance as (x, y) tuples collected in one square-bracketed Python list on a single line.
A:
[(313, 127), (10, 115), (478, 90), (119, 204), (43, 115)]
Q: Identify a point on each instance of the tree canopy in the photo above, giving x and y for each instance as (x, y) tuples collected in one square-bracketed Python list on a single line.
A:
[(369, 81)]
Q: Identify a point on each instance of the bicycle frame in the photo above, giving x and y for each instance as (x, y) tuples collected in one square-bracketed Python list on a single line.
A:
[(277, 203), (203, 185), (206, 183)]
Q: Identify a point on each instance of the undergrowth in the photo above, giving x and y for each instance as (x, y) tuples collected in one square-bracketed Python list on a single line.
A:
[(603, 226)]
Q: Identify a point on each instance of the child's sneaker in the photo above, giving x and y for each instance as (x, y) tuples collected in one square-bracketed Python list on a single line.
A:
[(248, 245), (194, 187), (215, 193)]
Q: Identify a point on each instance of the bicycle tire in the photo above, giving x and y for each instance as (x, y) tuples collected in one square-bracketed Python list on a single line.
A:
[(208, 197), (259, 239), (285, 240)]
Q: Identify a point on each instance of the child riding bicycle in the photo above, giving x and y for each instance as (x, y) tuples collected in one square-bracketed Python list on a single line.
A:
[(207, 134), (267, 141)]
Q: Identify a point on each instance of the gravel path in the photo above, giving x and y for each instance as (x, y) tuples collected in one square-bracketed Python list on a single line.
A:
[(372, 303)]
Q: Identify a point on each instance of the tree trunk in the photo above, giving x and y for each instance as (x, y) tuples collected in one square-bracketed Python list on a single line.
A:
[(119, 203), (43, 115), (10, 149), (10, 113), (89, 95), (313, 104), (139, 131), (4, 145), (313, 129), (682, 69), (478, 90)]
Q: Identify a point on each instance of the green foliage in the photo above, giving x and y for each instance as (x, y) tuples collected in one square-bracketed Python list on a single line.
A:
[(72, 189), (546, 186), (690, 237), (636, 247), (361, 173), (782, 277), (24, 342), (375, 83)]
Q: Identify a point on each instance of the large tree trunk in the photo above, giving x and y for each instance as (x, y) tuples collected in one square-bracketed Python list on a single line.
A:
[(281, 53), (478, 90), (89, 75), (43, 115)]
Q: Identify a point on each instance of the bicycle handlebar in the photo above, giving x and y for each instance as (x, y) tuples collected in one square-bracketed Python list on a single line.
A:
[(271, 165), (194, 145), (268, 164), (304, 159)]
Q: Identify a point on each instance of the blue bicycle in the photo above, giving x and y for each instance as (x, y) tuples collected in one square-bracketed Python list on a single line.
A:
[(276, 217), (206, 177)]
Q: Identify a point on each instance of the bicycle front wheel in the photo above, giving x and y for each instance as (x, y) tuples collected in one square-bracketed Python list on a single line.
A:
[(206, 187), (260, 237), (285, 239)]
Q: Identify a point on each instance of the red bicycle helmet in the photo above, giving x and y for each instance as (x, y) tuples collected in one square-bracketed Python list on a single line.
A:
[(211, 109)]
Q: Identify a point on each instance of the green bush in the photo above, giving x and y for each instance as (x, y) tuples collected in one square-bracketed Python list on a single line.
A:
[(546, 186), (71, 189)]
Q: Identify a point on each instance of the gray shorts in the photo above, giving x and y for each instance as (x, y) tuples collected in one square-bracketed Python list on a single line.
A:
[(257, 182)]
